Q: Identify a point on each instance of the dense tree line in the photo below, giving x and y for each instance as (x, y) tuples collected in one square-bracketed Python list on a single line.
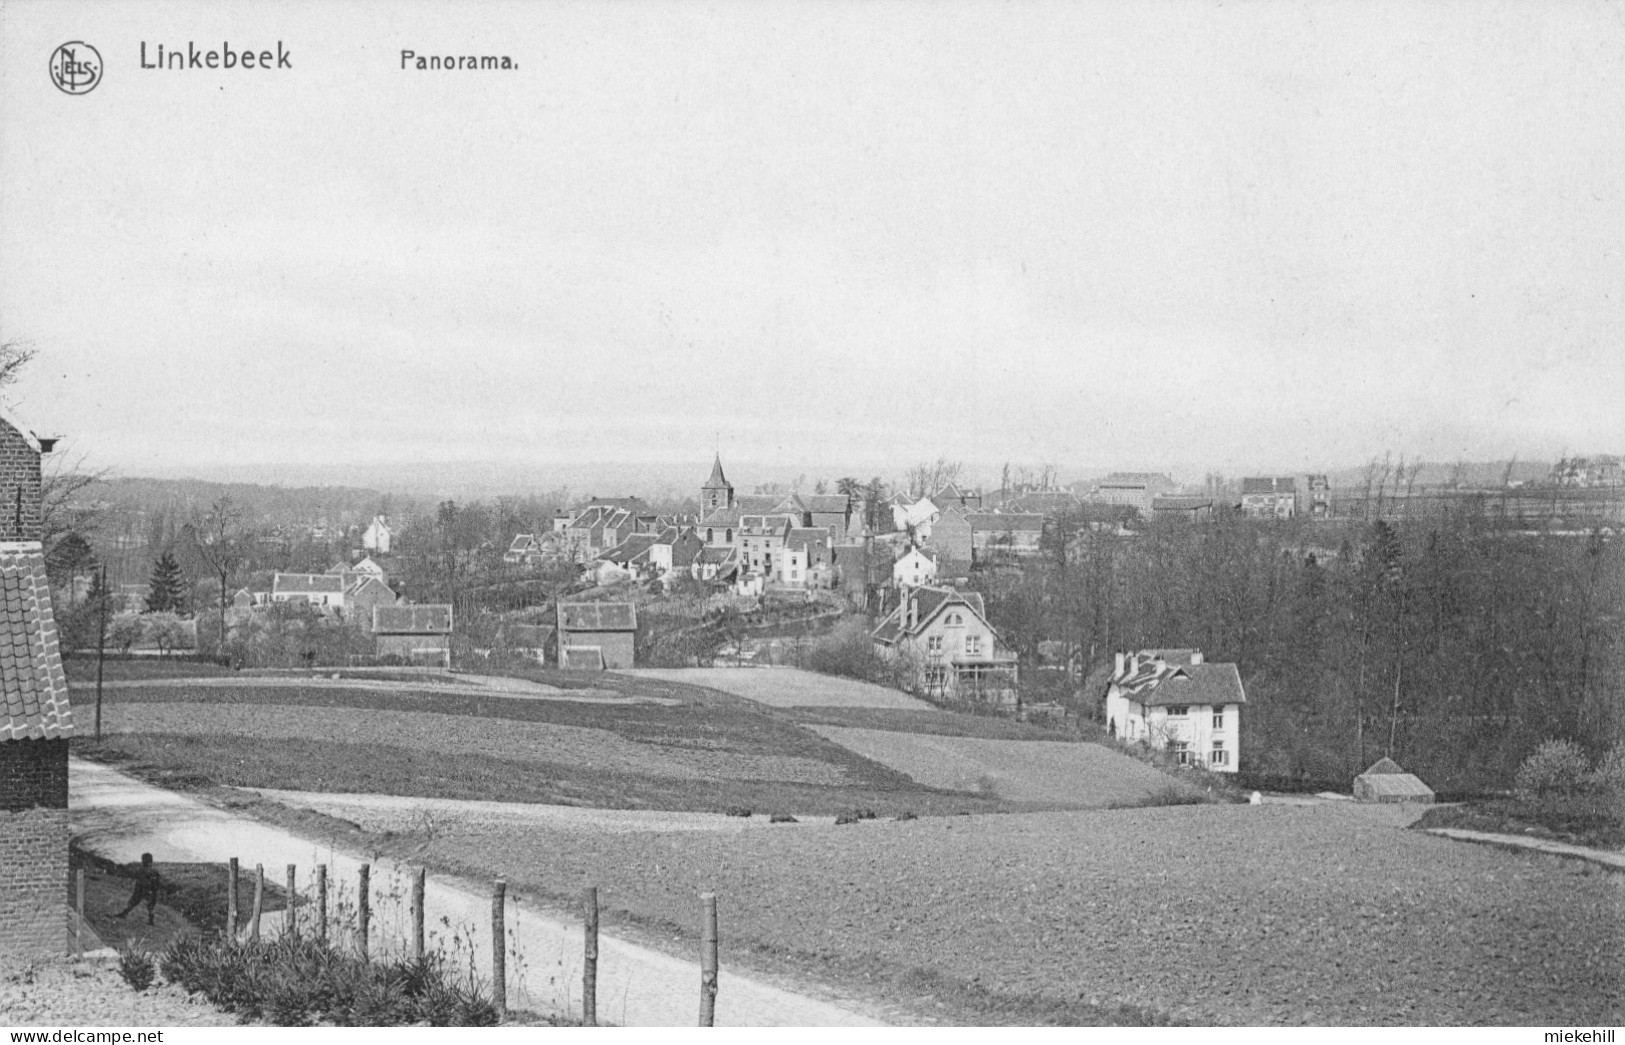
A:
[(1450, 643)]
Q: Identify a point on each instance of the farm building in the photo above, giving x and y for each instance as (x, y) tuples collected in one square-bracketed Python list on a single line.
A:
[(414, 633), (1385, 781), (36, 721), (597, 634)]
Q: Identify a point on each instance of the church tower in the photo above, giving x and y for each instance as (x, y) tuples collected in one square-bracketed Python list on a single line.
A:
[(717, 493)]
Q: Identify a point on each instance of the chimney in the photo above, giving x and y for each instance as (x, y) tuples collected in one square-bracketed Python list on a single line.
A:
[(1196, 656), (913, 611), (20, 485), (1119, 672)]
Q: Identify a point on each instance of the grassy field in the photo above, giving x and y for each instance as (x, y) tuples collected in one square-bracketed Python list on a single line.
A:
[(788, 687), (925, 723), (712, 752), (1210, 914), (1595, 819), (1020, 770)]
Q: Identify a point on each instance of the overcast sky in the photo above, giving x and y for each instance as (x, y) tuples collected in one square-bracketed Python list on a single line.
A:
[(1136, 235)]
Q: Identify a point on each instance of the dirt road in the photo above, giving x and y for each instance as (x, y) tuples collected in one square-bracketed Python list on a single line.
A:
[(119, 817)]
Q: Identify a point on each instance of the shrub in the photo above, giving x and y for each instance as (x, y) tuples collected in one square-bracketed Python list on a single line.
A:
[(1558, 767), (1610, 772), (782, 818), (742, 811), (136, 967), (852, 816), (297, 981)]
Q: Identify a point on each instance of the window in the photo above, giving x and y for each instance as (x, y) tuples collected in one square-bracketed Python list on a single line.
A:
[(934, 644), (730, 535), (973, 643), (936, 678), (1181, 750), (1218, 757), (793, 574), (710, 535), (1177, 711), (1218, 718), (954, 620)]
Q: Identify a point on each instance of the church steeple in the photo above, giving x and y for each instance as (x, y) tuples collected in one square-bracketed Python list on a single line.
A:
[(717, 493)]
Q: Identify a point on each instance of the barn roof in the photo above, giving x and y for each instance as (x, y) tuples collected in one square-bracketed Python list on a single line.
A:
[(35, 689), (427, 619), (1391, 784), (1383, 765), (598, 616), (308, 583)]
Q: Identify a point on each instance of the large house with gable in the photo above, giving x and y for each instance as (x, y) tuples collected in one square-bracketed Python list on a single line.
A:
[(1174, 699), (945, 634)]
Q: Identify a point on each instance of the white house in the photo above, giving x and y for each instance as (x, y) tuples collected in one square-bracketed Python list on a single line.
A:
[(918, 516), (913, 569), (1172, 699), (377, 535), (323, 590)]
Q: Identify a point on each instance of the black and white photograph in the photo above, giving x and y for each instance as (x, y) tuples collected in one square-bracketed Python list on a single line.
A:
[(868, 514)]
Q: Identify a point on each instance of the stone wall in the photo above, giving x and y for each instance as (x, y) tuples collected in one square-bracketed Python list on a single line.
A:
[(33, 773), (33, 886)]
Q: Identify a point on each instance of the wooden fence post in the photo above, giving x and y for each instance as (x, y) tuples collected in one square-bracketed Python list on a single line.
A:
[(291, 922), (499, 938), (417, 914), (589, 958), (79, 905), (321, 902), (231, 900), (259, 903), (364, 911), (708, 961)]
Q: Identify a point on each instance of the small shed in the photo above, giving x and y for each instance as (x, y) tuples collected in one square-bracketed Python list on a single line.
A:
[(597, 634), (416, 633), (1386, 781)]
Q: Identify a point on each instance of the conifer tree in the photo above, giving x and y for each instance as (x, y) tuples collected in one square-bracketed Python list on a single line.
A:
[(166, 591)]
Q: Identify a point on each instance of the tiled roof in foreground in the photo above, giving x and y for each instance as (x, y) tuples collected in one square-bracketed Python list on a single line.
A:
[(35, 690)]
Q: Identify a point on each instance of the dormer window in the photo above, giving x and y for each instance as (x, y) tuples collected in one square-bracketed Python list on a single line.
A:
[(1178, 711)]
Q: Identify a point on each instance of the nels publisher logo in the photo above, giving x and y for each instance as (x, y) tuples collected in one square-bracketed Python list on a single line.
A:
[(76, 68)]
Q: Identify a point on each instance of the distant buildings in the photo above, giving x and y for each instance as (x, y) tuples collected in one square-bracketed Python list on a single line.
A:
[(1269, 497), (1135, 489), (376, 538), (415, 634), (597, 635), (1587, 472)]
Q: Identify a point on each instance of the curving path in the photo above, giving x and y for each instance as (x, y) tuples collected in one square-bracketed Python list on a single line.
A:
[(119, 818)]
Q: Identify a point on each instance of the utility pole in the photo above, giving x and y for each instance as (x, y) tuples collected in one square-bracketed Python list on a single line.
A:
[(101, 653)]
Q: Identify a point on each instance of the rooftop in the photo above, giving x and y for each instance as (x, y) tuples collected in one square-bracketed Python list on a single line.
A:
[(598, 616), (427, 619), (35, 689)]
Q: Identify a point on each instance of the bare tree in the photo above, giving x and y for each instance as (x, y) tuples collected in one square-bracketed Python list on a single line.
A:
[(218, 538), (928, 477), (14, 356), (63, 507)]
